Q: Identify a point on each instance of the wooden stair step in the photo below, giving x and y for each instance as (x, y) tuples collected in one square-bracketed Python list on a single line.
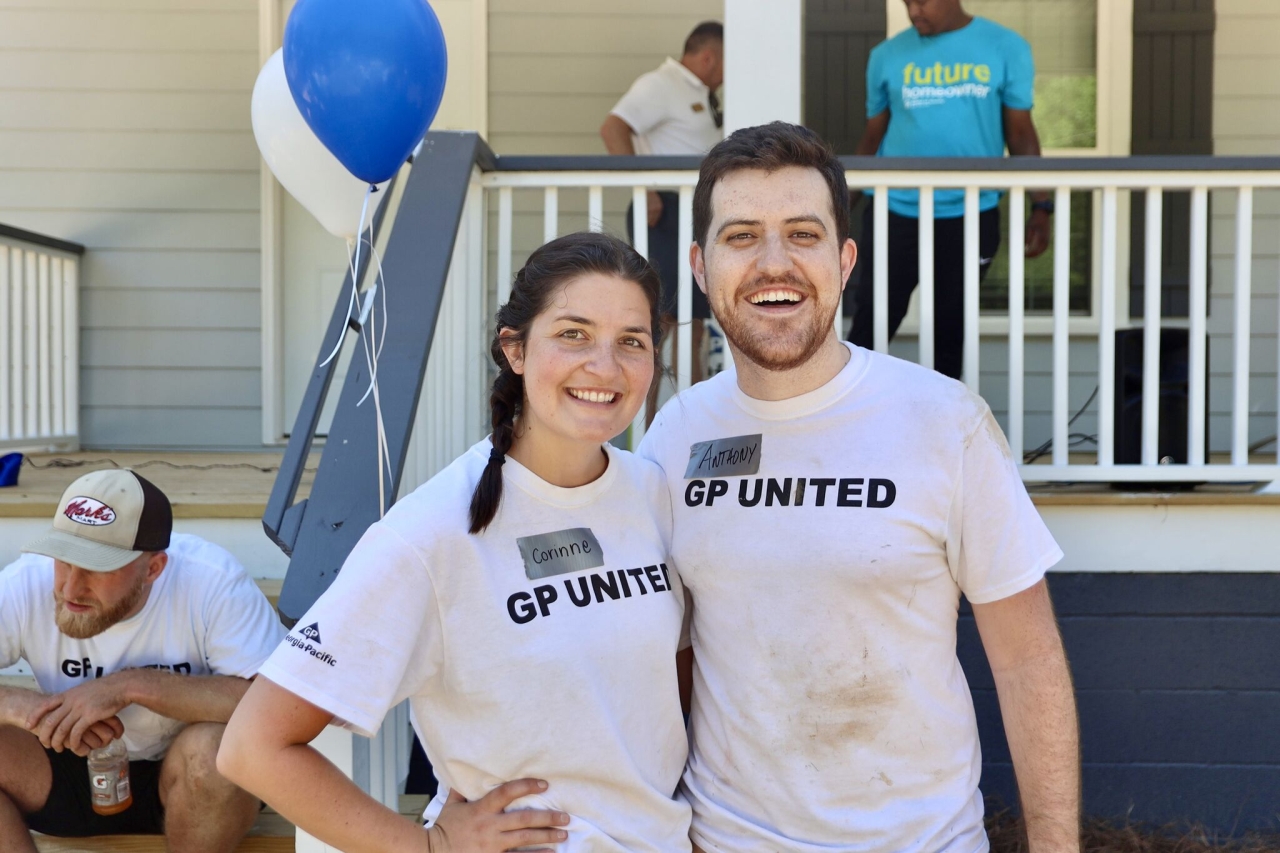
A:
[(270, 834), (147, 844)]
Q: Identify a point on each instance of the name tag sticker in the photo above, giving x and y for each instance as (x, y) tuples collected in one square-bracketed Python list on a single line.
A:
[(560, 552), (725, 457)]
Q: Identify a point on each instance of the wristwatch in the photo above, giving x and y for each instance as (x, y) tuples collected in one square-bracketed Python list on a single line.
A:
[(1046, 205)]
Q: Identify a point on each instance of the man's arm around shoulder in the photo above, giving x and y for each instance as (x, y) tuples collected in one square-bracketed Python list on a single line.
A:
[(1033, 683)]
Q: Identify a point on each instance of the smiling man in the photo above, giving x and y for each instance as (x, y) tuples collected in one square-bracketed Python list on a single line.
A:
[(132, 632), (831, 506)]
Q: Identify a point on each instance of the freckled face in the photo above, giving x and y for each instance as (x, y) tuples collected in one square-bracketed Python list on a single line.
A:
[(587, 361), (772, 269)]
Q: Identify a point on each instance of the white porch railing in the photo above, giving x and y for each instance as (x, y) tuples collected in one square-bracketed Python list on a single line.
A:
[(39, 341), (1111, 179)]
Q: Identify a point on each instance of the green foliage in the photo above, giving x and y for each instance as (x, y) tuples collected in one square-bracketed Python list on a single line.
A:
[(994, 296), (1066, 110)]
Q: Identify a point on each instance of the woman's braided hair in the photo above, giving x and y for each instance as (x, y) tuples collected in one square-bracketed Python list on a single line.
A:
[(549, 268)]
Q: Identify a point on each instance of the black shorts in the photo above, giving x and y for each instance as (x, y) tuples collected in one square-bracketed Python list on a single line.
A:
[(666, 254), (69, 813)]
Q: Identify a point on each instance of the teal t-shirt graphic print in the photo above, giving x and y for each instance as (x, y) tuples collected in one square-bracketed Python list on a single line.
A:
[(945, 95)]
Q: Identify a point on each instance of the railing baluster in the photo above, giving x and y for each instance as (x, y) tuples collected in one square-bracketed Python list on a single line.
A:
[(684, 304), (640, 219), (925, 277), (57, 369), (504, 244), (31, 357), (6, 403), (71, 344), (1061, 324), (880, 280), (17, 346), (1017, 306), (1152, 282), (640, 239), (1199, 301), (1243, 297), (595, 208), (972, 259), (44, 364), (1107, 333), (1109, 185), (550, 213)]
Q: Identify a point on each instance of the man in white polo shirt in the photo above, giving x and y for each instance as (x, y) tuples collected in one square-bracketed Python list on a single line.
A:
[(672, 110), (133, 632)]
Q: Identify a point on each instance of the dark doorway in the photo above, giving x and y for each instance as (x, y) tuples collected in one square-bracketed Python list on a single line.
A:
[(1172, 114), (838, 37)]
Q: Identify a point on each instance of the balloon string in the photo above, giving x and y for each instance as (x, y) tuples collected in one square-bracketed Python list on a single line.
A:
[(371, 353), (368, 306), (355, 266)]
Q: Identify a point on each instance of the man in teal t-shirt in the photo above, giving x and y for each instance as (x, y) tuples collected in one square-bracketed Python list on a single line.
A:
[(951, 86)]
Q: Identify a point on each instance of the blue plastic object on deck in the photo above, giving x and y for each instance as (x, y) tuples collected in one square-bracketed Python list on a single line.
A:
[(10, 465)]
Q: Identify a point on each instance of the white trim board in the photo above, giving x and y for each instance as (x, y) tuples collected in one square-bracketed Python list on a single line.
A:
[(243, 537), (1166, 538)]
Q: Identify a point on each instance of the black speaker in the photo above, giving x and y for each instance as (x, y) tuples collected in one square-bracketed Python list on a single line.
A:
[(1175, 395)]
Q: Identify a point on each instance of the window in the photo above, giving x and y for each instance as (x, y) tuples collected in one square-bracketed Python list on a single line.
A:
[(1064, 45)]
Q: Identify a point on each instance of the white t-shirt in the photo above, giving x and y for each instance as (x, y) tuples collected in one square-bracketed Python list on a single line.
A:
[(543, 647), (825, 541), (669, 112), (204, 616)]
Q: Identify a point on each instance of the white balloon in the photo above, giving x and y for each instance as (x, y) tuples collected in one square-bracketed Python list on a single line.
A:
[(300, 161)]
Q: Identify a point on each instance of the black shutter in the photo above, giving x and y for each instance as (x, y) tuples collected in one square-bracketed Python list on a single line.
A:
[(1172, 114), (838, 37)]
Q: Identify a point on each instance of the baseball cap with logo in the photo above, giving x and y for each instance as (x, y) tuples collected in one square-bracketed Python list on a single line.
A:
[(106, 520)]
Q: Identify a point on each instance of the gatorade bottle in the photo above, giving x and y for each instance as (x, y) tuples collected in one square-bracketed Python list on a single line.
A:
[(109, 778)]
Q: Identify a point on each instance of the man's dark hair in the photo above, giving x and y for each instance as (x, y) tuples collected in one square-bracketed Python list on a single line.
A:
[(702, 35), (770, 147)]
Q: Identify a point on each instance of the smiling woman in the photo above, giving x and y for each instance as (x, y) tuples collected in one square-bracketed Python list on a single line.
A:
[(576, 352), (528, 581)]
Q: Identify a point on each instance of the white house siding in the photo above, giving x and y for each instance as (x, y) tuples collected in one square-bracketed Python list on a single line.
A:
[(556, 68), (1246, 121), (124, 125)]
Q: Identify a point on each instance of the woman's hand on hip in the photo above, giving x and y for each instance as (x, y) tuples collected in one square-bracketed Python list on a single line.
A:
[(486, 827)]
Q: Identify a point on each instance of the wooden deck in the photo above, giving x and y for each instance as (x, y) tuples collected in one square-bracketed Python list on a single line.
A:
[(271, 834), (236, 485), (199, 485)]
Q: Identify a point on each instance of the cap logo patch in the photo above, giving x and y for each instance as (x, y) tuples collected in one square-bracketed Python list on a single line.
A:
[(88, 511)]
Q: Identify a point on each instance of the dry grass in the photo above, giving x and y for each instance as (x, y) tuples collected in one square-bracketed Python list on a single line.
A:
[(1008, 835)]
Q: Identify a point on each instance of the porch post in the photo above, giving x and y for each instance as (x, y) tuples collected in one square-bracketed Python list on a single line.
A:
[(761, 62)]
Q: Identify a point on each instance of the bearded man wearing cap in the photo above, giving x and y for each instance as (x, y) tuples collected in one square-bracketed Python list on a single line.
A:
[(133, 632)]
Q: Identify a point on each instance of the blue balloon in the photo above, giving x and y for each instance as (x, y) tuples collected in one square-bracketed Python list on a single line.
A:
[(368, 76)]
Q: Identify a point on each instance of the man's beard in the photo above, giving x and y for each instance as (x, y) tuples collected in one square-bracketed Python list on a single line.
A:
[(82, 626), (786, 350)]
